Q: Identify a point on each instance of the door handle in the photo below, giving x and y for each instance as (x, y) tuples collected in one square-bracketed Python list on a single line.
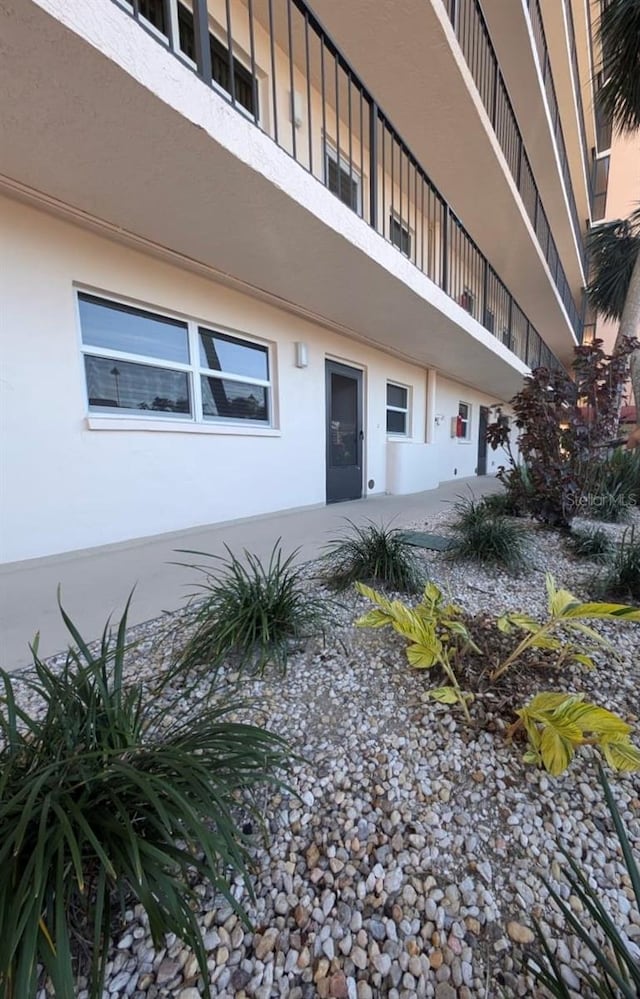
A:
[(362, 435)]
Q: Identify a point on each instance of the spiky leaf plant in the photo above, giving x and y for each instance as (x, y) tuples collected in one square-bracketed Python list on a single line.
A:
[(486, 537), (594, 544), (252, 610), (372, 553), (109, 796), (621, 578), (614, 969)]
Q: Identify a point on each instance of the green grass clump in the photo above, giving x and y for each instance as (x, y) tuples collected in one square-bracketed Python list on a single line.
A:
[(592, 544), (250, 610), (486, 537), (621, 578), (112, 795), (372, 553), (499, 504)]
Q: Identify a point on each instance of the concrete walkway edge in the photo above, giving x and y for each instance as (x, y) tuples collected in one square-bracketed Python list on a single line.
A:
[(96, 582)]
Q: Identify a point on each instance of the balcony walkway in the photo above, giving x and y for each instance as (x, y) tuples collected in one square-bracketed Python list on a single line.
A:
[(96, 582)]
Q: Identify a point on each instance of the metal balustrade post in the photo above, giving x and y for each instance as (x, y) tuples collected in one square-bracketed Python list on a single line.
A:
[(485, 291), (373, 164), (201, 40), (445, 251)]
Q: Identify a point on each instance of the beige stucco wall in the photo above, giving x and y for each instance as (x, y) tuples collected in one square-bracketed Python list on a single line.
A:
[(623, 196)]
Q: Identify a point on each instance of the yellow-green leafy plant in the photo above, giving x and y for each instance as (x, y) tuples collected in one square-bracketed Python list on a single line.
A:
[(564, 630), (558, 723), (435, 631)]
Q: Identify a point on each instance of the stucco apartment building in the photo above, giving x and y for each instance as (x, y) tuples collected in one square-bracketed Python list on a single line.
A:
[(259, 255)]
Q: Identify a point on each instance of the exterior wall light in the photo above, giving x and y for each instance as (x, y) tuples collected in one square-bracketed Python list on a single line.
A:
[(439, 417), (302, 355)]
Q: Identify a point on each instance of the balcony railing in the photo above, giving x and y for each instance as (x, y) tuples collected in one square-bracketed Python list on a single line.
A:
[(575, 71), (275, 63), (472, 32)]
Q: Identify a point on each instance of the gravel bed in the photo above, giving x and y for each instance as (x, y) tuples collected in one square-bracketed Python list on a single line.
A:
[(410, 863)]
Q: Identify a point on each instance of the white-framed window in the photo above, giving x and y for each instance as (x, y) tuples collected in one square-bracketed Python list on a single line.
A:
[(397, 409), (144, 363), (468, 301), (464, 421), (342, 178), (400, 234)]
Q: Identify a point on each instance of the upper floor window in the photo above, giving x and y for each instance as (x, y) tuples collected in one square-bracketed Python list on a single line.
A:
[(600, 185), (245, 86), (468, 301), (341, 178), (139, 363), (397, 409), (400, 234)]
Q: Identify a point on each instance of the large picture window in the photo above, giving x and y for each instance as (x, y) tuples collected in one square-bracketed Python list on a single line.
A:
[(142, 363)]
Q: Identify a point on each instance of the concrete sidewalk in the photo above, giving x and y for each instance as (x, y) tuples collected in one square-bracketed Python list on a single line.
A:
[(95, 582)]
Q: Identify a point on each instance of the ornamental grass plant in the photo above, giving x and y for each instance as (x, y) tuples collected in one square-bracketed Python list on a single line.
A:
[(483, 536), (371, 553), (614, 969), (253, 611), (591, 543), (111, 796)]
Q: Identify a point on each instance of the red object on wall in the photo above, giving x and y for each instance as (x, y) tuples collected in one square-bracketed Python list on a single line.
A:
[(459, 427)]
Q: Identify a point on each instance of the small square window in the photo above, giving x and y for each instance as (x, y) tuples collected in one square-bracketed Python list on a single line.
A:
[(397, 409)]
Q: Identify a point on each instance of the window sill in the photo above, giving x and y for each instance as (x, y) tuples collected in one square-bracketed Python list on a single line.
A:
[(176, 427)]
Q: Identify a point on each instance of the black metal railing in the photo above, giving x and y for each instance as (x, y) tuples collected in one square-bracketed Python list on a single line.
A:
[(274, 62), (473, 35), (575, 71), (540, 38)]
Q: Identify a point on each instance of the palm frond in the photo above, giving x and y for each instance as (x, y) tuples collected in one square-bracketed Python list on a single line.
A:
[(613, 248), (619, 95)]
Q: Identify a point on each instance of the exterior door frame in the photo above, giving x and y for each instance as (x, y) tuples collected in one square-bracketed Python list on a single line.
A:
[(483, 420), (335, 480)]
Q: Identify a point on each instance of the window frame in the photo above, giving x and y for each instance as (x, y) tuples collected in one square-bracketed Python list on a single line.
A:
[(398, 409), (468, 301), (330, 152), (195, 420), (405, 231), (466, 420)]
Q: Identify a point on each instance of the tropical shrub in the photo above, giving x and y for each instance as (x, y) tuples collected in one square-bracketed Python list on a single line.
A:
[(592, 543), (486, 537), (565, 423), (108, 796), (435, 631), (557, 723), (615, 967), (249, 610), (372, 553), (566, 615), (622, 577)]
